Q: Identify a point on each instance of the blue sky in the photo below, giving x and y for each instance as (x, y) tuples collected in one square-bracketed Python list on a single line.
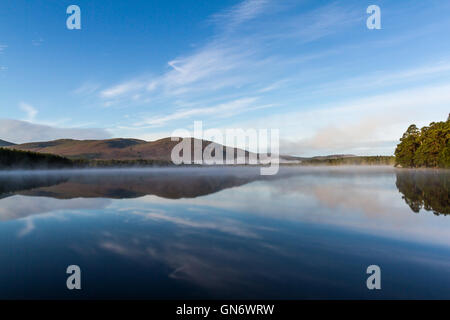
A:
[(142, 69)]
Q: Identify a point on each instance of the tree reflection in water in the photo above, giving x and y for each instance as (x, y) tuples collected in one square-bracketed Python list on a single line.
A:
[(425, 189)]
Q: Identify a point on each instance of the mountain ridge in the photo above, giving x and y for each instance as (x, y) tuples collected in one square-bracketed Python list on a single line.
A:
[(110, 149), (130, 149), (4, 143)]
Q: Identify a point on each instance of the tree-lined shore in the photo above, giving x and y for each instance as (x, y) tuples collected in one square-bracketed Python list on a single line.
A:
[(428, 147), (17, 159), (353, 161)]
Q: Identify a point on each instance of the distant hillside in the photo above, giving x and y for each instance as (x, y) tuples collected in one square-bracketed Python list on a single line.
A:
[(112, 149), (119, 149), (4, 143), (334, 156), (133, 152)]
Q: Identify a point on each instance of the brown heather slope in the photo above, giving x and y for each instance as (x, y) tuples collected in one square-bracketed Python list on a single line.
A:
[(111, 149), (89, 149)]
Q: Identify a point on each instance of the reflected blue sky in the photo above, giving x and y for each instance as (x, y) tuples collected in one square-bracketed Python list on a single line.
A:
[(308, 233)]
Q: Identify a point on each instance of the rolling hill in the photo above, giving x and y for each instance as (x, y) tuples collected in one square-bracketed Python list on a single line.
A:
[(4, 143), (125, 152), (111, 149)]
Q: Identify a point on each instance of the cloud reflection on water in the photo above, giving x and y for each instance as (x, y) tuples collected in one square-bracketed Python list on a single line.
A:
[(219, 233)]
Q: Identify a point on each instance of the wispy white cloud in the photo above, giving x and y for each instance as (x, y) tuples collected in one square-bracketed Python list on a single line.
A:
[(123, 88), (273, 86), (29, 110), (225, 63), (210, 68), (28, 228), (318, 23), (222, 225), (213, 60), (87, 88), (240, 13), (221, 110), (23, 131), (370, 125), (387, 78), (26, 208), (261, 49)]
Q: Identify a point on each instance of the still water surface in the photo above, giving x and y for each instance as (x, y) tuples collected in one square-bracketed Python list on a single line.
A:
[(225, 233)]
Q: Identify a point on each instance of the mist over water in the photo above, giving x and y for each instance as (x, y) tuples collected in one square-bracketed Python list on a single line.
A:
[(307, 232)]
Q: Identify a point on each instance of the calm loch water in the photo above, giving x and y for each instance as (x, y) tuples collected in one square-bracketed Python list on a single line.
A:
[(225, 233)]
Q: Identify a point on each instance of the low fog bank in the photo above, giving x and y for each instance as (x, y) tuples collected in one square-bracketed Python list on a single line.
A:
[(214, 170), (187, 172)]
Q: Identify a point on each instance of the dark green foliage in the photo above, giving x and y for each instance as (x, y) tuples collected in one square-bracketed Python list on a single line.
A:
[(81, 163), (425, 189), (15, 159), (406, 149), (369, 160), (429, 147)]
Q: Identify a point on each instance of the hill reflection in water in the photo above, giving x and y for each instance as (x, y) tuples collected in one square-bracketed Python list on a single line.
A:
[(124, 184), (421, 189), (224, 233)]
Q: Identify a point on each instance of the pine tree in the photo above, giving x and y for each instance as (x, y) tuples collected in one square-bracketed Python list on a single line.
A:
[(429, 147), (406, 149)]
